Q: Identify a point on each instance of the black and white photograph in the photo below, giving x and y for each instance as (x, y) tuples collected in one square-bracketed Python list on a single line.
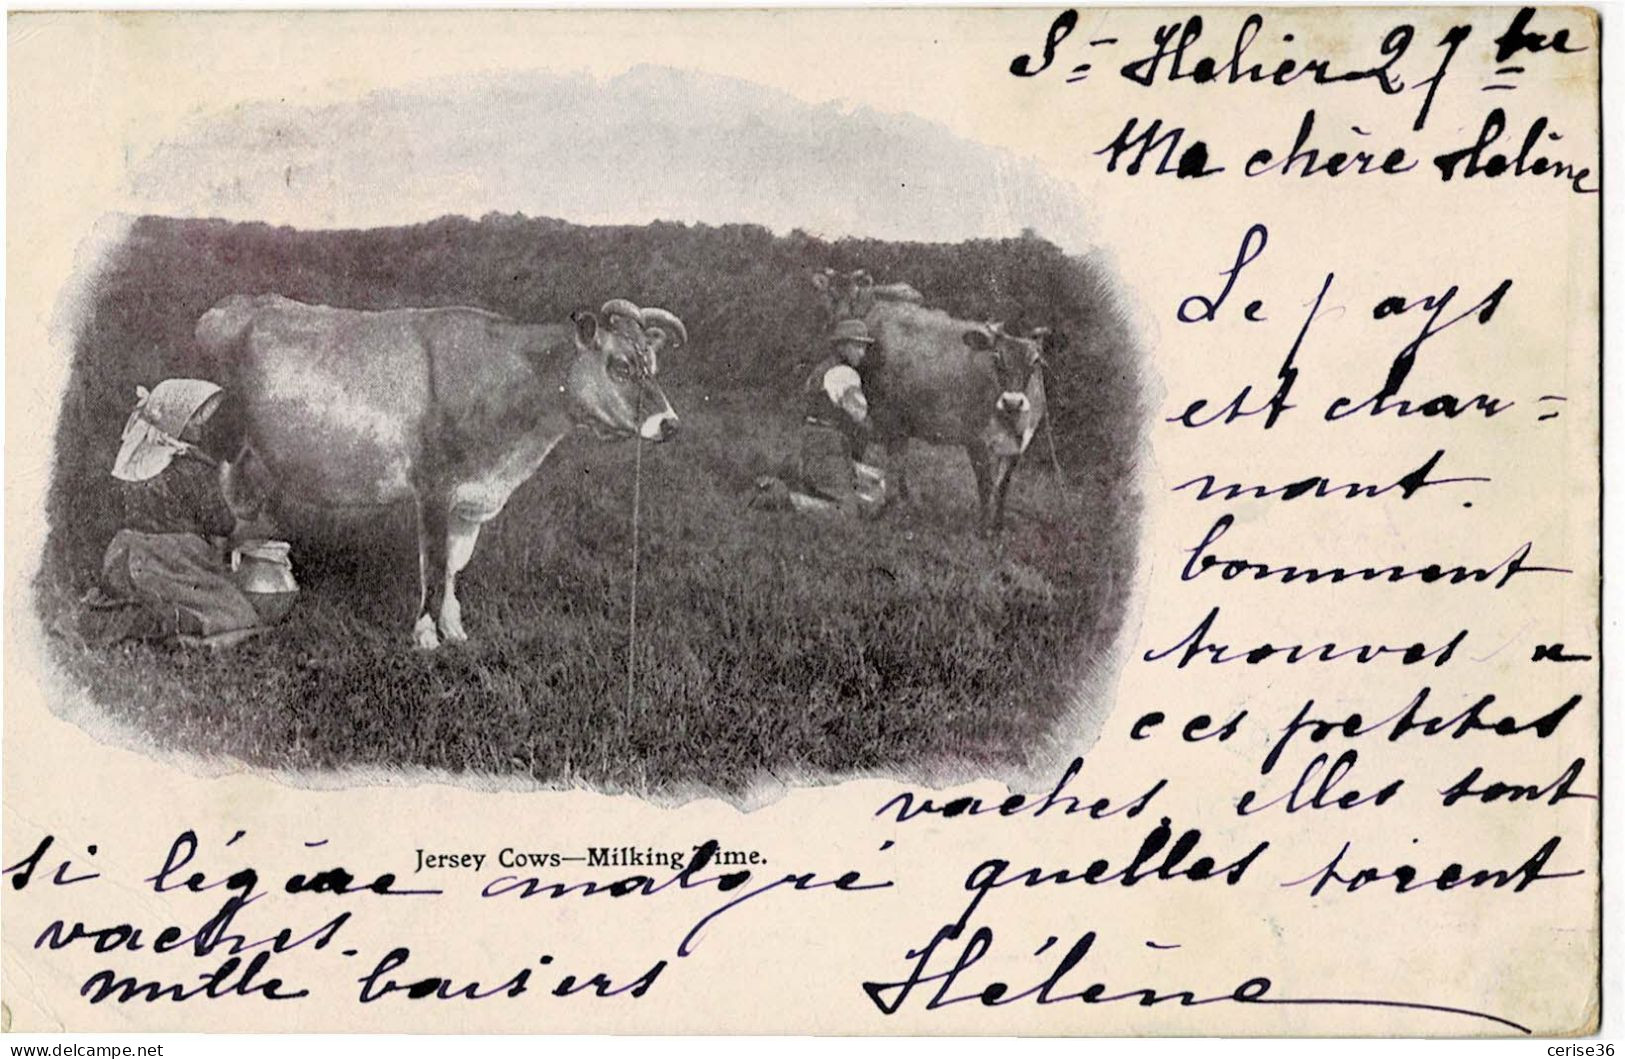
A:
[(869, 522), (807, 449)]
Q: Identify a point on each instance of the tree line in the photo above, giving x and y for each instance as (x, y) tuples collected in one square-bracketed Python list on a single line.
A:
[(745, 294)]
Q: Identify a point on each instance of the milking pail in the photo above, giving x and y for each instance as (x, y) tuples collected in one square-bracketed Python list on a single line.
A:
[(264, 573), (871, 488)]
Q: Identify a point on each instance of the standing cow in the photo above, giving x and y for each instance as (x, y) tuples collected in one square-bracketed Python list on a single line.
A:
[(451, 408), (945, 381)]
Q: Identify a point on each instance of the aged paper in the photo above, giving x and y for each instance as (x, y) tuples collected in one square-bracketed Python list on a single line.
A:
[(1041, 521)]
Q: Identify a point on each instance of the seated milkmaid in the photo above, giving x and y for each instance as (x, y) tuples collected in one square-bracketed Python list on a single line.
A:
[(165, 575)]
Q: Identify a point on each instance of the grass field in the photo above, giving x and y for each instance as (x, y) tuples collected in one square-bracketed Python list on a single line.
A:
[(770, 643)]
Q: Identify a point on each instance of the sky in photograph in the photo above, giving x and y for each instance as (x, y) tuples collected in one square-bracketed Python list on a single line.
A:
[(601, 135)]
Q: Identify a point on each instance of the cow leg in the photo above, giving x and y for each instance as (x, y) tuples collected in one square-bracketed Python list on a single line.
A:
[(461, 533), (430, 529), (245, 489), (1004, 469), (981, 464), (235, 486), (897, 465)]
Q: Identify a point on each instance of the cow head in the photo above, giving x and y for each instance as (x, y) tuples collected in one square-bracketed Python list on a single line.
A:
[(847, 296), (852, 295), (1016, 360), (612, 380)]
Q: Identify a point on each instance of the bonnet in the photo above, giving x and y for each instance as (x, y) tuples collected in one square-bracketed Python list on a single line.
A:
[(152, 433)]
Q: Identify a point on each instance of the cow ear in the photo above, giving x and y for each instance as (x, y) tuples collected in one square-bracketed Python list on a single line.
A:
[(862, 280), (586, 327), (978, 340), (659, 338), (821, 280)]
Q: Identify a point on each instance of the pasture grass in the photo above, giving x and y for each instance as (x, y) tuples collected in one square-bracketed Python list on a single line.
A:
[(770, 643)]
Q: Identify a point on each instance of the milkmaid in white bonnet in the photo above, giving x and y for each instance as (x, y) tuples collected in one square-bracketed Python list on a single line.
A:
[(166, 575)]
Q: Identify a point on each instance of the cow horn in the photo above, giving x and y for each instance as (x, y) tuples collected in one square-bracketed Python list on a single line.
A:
[(656, 317), (620, 307)]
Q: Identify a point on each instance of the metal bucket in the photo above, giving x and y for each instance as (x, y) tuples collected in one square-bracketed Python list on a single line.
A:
[(871, 488), (264, 574)]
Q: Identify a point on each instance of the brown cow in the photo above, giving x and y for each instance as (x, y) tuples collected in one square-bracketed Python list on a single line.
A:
[(452, 409), (944, 380)]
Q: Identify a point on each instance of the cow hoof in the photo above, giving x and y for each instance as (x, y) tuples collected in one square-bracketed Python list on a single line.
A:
[(452, 631), (423, 635)]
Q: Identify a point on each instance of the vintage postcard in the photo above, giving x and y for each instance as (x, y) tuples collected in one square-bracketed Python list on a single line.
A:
[(1054, 521)]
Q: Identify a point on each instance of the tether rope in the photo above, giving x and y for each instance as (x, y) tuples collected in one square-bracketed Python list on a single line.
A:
[(1049, 433), (637, 511), (1055, 462)]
